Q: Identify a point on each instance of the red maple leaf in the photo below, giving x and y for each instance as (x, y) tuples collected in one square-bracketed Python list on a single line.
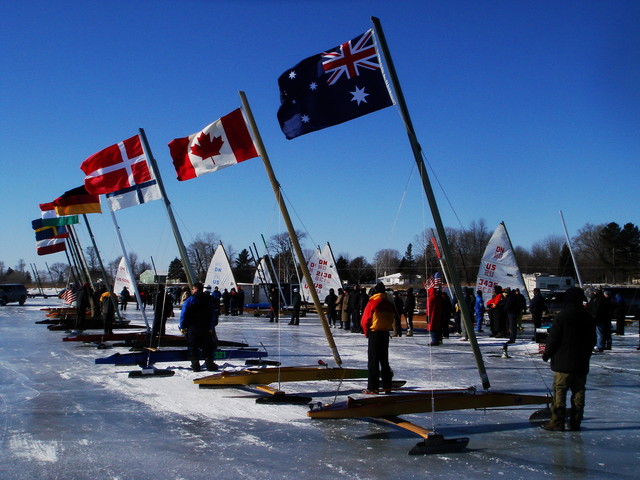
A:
[(206, 148)]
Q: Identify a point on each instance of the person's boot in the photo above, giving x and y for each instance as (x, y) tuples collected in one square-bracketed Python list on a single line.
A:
[(211, 366), (556, 423), (195, 366), (410, 333)]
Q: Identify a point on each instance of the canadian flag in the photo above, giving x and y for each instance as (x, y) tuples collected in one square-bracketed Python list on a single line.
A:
[(225, 142)]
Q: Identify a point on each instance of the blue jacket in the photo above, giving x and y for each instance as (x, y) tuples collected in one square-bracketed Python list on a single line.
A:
[(479, 307), (198, 313)]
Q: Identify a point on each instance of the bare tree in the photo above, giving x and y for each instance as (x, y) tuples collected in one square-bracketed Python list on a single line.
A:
[(59, 271), (200, 252), (281, 251), (386, 261)]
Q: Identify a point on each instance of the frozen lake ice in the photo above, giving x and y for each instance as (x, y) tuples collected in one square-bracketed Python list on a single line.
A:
[(65, 417)]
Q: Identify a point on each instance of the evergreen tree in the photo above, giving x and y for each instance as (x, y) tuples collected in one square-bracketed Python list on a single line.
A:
[(342, 265), (408, 264), (243, 268), (176, 271)]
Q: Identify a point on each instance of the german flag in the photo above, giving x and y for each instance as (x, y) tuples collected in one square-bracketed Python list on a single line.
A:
[(77, 201)]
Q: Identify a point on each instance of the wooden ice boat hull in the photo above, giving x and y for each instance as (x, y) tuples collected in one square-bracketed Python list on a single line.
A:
[(423, 402), (266, 375)]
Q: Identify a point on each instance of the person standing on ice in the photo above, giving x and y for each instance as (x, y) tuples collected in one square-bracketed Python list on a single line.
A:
[(377, 321), (434, 310), (478, 311), (198, 321), (569, 346), (409, 307), (124, 298), (296, 302), (162, 309)]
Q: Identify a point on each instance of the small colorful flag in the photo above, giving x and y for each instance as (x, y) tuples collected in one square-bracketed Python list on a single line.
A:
[(43, 233), (52, 245), (51, 219), (77, 201)]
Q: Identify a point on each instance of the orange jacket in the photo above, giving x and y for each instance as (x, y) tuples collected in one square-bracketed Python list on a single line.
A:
[(378, 315)]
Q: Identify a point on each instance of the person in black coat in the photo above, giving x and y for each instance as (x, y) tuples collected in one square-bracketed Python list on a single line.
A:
[(397, 321), (512, 308), (274, 304), (619, 312), (600, 309), (569, 346), (162, 309), (330, 301), (537, 307), (409, 307), (354, 310)]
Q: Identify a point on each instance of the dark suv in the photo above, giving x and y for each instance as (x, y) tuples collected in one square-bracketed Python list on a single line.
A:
[(13, 293)]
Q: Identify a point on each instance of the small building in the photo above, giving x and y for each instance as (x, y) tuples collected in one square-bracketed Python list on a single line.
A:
[(398, 279), (149, 276)]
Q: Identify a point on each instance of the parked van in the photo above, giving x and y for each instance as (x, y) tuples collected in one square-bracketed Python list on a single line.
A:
[(13, 293)]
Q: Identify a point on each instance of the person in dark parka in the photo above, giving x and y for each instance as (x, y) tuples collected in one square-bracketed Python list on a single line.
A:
[(162, 309), (569, 346), (198, 322)]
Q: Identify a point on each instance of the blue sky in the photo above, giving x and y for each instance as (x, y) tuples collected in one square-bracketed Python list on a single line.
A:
[(522, 109)]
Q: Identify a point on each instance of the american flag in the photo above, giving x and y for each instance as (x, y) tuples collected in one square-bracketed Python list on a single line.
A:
[(433, 281), (69, 296)]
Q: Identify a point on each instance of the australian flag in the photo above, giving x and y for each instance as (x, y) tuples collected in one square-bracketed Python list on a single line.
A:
[(333, 87)]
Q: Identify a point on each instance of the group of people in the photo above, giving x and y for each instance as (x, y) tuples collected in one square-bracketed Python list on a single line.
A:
[(346, 309), (505, 310), (569, 346)]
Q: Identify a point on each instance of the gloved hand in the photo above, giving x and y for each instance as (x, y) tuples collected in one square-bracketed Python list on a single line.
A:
[(183, 331)]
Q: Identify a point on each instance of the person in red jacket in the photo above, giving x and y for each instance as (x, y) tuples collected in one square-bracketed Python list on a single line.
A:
[(377, 321)]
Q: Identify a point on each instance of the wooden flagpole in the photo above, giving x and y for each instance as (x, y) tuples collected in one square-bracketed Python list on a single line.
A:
[(191, 276), (417, 153), (287, 220)]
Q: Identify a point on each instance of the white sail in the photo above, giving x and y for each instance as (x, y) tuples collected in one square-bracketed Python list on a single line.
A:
[(123, 278), (498, 265), (219, 273), (262, 274), (330, 271), (314, 259), (323, 272)]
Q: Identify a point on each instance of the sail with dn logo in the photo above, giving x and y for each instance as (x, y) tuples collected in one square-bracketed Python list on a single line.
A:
[(323, 272), (498, 265)]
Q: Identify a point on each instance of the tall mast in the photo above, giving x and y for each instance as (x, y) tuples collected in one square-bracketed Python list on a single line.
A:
[(188, 268), (134, 284), (516, 260), (573, 257), (287, 220), (417, 153)]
